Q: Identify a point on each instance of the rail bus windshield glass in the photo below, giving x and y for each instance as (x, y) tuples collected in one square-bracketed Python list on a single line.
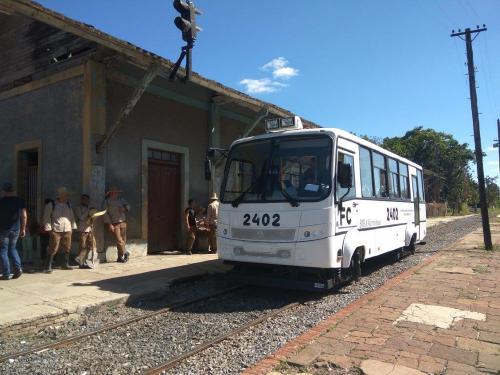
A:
[(292, 168)]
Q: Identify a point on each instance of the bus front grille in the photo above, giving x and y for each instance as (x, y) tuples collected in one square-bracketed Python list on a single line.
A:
[(263, 234)]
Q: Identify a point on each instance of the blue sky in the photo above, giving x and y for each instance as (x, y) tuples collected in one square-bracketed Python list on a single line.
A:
[(372, 67)]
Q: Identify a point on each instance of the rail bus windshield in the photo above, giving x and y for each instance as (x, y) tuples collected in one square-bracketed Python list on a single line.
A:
[(283, 169)]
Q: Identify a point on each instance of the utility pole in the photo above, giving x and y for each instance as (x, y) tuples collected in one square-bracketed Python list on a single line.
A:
[(477, 134)]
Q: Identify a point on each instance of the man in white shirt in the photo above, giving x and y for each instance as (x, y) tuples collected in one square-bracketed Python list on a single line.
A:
[(59, 220), (212, 215)]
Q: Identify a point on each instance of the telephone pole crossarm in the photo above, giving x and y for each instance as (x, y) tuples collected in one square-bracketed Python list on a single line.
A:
[(471, 31)]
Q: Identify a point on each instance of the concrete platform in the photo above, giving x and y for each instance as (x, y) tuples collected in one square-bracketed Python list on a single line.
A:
[(53, 297)]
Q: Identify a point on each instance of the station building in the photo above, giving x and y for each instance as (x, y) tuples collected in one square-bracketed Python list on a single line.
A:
[(82, 109)]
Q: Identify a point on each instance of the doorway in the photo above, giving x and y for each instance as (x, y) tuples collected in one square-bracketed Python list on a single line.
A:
[(164, 200), (27, 180), (416, 204)]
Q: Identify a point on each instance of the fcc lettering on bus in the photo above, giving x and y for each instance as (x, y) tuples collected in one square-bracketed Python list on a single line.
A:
[(264, 220)]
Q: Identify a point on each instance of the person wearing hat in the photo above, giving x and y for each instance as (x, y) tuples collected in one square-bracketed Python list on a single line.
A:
[(212, 215), (59, 220), (116, 220), (13, 220)]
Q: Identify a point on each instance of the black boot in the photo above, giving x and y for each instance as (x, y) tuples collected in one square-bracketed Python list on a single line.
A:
[(48, 264), (66, 265)]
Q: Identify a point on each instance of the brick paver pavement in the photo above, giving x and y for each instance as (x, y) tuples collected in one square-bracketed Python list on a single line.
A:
[(441, 317)]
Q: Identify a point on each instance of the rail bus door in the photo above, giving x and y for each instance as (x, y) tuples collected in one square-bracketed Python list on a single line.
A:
[(347, 214), (416, 204)]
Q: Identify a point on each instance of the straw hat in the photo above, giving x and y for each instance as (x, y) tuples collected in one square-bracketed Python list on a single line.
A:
[(213, 197), (113, 189), (93, 213), (62, 191)]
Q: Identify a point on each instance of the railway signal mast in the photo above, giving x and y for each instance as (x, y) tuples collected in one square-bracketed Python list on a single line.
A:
[(477, 134), (186, 23)]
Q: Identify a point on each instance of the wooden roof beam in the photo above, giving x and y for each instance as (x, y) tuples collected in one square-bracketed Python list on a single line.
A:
[(141, 87)]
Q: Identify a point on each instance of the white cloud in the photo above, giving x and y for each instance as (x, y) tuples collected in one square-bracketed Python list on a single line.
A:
[(491, 148), (493, 162), (260, 86), (280, 69), (276, 63)]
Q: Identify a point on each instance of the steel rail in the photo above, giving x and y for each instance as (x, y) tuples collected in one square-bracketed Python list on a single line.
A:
[(71, 339), (174, 362)]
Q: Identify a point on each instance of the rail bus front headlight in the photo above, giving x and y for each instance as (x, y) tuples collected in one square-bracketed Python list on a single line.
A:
[(315, 232), (223, 230)]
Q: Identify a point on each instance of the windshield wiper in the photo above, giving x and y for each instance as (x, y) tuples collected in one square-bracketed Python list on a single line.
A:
[(238, 200), (293, 202)]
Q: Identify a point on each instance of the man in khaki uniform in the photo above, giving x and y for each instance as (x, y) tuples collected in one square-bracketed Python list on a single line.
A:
[(82, 216), (116, 209), (212, 215), (58, 219)]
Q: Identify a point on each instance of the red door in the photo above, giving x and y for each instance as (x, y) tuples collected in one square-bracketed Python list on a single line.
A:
[(164, 199)]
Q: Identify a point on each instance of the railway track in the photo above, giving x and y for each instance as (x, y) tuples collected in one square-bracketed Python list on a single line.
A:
[(74, 338), (172, 363)]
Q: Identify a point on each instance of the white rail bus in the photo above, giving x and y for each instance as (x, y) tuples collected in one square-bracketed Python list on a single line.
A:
[(316, 204)]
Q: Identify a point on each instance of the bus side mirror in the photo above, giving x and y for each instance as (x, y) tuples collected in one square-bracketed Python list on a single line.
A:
[(344, 175), (208, 169)]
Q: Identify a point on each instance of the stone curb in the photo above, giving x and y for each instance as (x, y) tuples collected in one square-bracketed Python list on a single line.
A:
[(271, 361)]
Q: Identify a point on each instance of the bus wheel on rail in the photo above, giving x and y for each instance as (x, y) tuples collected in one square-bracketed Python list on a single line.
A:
[(397, 255), (356, 266), (412, 245)]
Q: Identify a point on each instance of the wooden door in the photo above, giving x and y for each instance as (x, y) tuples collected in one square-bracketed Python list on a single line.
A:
[(164, 201)]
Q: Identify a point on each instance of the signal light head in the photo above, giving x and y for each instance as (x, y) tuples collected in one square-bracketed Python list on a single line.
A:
[(181, 6), (182, 24)]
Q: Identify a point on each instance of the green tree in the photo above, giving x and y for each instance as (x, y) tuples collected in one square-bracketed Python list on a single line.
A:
[(492, 192), (442, 154)]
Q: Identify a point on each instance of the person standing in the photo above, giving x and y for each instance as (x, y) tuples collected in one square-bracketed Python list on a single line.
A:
[(13, 220), (190, 225), (82, 216), (59, 220), (116, 220), (212, 215), (44, 236)]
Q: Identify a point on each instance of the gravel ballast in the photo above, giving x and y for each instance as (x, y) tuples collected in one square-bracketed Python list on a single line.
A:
[(136, 347)]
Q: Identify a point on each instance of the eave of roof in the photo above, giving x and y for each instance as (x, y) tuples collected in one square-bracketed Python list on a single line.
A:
[(138, 55)]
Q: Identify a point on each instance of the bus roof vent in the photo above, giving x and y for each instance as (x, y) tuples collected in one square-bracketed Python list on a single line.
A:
[(280, 124)]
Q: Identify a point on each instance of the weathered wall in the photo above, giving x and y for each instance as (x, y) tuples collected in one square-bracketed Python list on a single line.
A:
[(53, 115), (156, 119)]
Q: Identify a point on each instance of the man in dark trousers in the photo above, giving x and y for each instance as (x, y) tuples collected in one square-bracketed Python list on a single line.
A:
[(190, 225), (13, 220)]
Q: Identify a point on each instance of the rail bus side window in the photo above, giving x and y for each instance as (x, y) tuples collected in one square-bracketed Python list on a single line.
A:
[(366, 173), (421, 186), (379, 175), (393, 178), (346, 159), (404, 181)]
